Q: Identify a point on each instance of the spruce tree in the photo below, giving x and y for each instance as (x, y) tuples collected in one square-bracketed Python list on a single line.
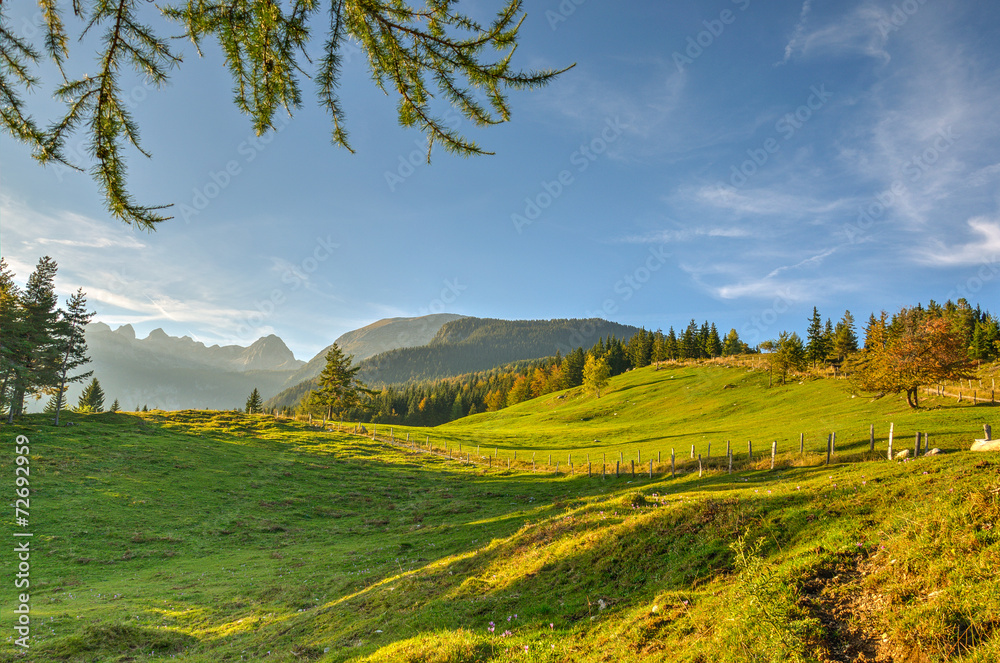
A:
[(92, 398), (255, 404), (713, 345), (338, 386), (115, 407), (35, 348), (11, 331), (845, 338), (816, 346), (74, 343)]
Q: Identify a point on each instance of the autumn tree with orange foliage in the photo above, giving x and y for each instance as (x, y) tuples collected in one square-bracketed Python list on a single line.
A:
[(912, 352)]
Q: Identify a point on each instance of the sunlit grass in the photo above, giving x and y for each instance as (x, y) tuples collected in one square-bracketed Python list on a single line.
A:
[(207, 536)]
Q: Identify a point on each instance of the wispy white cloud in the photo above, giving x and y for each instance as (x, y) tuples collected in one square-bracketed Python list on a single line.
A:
[(861, 31), (985, 249), (799, 31), (812, 261), (764, 201), (684, 235)]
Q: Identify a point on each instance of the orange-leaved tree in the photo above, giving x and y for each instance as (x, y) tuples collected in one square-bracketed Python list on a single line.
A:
[(913, 352)]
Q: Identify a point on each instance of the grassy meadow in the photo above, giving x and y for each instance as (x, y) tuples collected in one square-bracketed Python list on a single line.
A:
[(210, 536)]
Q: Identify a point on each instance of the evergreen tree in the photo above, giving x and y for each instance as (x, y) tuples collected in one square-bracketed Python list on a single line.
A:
[(845, 338), (596, 373), (572, 369), (615, 357), (255, 404), (115, 407), (74, 353), (659, 348), (92, 398), (671, 347), (816, 345), (422, 53), (35, 351), (713, 345), (11, 332), (338, 387), (689, 346), (789, 354)]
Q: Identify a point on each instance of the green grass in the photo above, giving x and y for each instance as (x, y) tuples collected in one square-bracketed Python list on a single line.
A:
[(219, 537), (649, 412)]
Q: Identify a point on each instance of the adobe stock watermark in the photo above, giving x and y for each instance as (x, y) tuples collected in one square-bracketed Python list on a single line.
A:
[(449, 294), (562, 12), (218, 180), (625, 288), (786, 127), (899, 16), (407, 164), (988, 270), (581, 159), (22, 546), (699, 42), (293, 278), (752, 332), (913, 170)]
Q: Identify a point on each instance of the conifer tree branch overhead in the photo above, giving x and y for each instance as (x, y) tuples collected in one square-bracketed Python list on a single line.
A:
[(430, 55)]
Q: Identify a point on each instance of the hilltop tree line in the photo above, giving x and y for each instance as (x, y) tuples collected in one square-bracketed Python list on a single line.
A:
[(434, 402), (41, 345)]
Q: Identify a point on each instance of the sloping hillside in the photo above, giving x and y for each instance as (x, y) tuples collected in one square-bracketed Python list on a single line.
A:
[(208, 537), (381, 336), (476, 344)]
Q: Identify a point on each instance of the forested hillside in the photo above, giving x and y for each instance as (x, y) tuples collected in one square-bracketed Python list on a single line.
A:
[(478, 344)]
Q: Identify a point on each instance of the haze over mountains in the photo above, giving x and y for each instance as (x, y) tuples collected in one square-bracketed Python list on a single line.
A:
[(166, 372)]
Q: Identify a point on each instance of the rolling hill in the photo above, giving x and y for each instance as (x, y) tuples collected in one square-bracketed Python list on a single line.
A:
[(208, 537), (466, 345), (381, 336)]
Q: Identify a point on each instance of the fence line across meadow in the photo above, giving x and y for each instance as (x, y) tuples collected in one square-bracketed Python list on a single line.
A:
[(895, 448)]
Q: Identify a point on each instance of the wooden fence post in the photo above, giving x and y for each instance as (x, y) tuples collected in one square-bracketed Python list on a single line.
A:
[(658, 461), (589, 473), (729, 456), (709, 454), (699, 466), (692, 451), (871, 438), (673, 472), (729, 448), (833, 443), (639, 456), (650, 468), (916, 446), (750, 452), (829, 439), (802, 443), (774, 450), (890, 440), (617, 466)]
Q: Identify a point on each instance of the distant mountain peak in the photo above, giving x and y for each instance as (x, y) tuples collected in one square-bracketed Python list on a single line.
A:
[(127, 331)]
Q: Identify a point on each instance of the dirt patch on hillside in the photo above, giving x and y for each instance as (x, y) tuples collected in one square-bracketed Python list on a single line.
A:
[(835, 594)]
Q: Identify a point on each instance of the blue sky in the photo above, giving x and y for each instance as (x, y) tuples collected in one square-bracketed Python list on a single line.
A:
[(734, 160)]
